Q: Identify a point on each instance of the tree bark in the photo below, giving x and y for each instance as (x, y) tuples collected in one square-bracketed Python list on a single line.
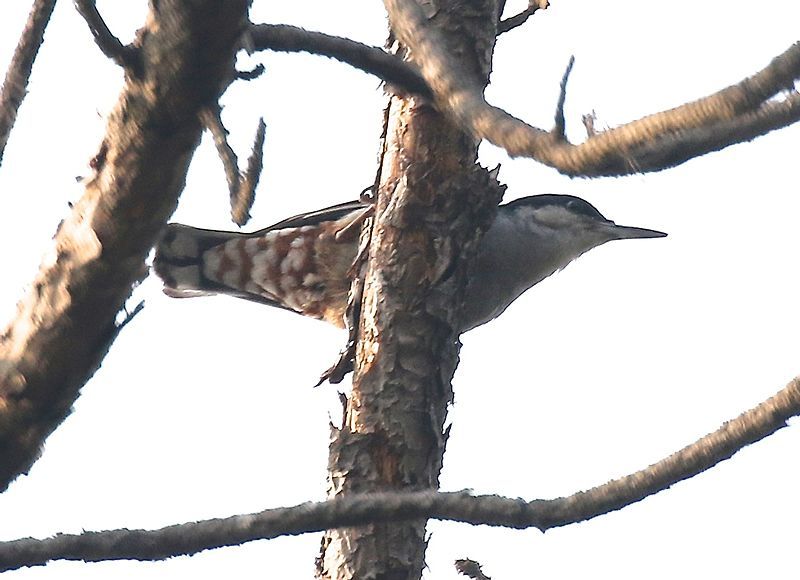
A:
[(67, 321), (432, 205)]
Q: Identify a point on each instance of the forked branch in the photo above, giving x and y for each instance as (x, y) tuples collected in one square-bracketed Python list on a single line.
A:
[(241, 185), (741, 111), (732, 115)]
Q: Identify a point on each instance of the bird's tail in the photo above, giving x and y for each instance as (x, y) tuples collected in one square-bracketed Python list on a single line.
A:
[(179, 259)]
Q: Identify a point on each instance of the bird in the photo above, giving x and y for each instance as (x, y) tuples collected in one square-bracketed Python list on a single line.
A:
[(304, 263)]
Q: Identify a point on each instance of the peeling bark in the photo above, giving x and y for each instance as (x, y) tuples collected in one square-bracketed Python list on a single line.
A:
[(432, 204), (66, 323)]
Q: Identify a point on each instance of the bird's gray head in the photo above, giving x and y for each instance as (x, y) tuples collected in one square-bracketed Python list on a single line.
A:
[(530, 239), (574, 221)]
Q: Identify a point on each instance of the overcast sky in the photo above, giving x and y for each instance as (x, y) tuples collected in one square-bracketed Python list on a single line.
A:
[(204, 408)]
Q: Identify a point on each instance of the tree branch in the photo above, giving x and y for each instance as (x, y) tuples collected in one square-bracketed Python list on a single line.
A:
[(66, 323), (241, 186), (773, 114), (211, 119), (615, 152), (356, 510), (110, 45), (521, 18), (370, 59), (740, 112), (559, 130), (242, 201), (19, 70)]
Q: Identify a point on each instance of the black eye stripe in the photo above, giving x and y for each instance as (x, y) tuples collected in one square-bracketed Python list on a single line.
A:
[(569, 202), (582, 207)]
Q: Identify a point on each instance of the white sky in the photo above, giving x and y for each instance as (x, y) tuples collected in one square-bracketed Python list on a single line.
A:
[(204, 408)]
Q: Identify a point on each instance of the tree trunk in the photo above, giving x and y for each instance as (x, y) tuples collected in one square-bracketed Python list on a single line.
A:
[(433, 203)]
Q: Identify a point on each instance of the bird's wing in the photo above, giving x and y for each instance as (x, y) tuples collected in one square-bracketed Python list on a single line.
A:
[(179, 254), (312, 218)]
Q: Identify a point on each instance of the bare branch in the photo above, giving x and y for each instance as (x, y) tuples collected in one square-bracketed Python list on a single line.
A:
[(110, 45), (241, 187), (249, 75), (588, 121), (521, 18), (560, 126), (66, 323), (19, 70), (210, 116), (242, 202), (614, 152), (774, 114), (129, 316), (370, 59), (355, 510), (692, 127)]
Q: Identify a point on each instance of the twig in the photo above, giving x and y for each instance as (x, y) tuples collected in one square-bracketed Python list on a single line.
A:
[(521, 18), (470, 569), (110, 45), (249, 75), (241, 187), (19, 70), (617, 151), (560, 127), (588, 122), (242, 201), (129, 316), (210, 116), (370, 59)]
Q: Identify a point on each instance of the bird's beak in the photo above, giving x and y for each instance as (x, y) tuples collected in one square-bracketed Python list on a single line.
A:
[(630, 233)]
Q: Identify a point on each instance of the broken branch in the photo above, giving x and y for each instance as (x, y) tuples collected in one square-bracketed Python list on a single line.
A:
[(521, 18)]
